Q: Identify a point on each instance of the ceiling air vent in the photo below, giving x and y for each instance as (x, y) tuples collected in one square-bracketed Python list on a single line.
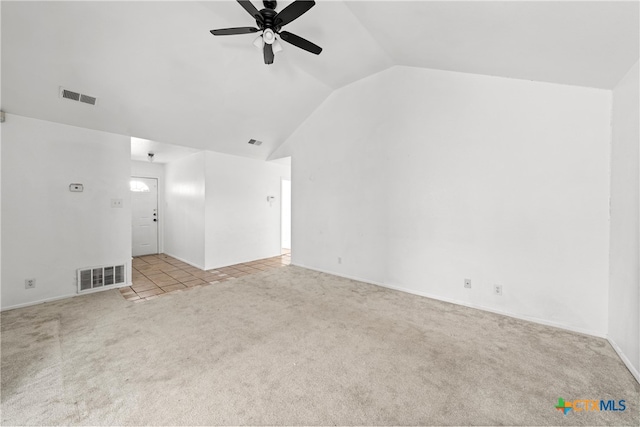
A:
[(70, 95), (77, 96), (254, 142), (88, 99)]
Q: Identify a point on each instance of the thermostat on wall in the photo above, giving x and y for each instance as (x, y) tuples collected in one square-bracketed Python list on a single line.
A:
[(76, 187)]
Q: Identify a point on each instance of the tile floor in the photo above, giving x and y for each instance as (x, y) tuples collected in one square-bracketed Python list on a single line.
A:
[(157, 275)]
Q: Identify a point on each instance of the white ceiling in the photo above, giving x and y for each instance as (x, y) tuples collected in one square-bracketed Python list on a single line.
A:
[(160, 75), (592, 43), (162, 152)]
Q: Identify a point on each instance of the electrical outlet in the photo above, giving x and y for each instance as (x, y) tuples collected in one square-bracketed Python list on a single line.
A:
[(497, 289), (339, 260), (467, 283), (29, 283), (116, 203)]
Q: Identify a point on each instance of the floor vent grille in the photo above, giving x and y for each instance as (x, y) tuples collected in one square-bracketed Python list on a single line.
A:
[(95, 278)]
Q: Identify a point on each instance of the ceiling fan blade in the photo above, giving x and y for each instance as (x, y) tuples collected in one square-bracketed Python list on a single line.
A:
[(300, 42), (249, 7), (292, 12), (234, 31), (268, 54)]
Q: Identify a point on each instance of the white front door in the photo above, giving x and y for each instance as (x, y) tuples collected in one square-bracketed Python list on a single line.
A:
[(144, 205)]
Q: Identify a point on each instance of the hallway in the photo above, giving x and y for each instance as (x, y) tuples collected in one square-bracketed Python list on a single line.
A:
[(157, 275)]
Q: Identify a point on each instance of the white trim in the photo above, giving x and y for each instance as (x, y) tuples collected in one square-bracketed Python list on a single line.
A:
[(463, 303), (234, 263), (42, 301), (183, 260), (282, 180), (625, 359)]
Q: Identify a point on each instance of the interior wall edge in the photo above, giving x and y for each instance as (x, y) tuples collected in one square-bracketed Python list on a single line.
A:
[(539, 321), (201, 267), (625, 359), (53, 299), (42, 301), (245, 260)]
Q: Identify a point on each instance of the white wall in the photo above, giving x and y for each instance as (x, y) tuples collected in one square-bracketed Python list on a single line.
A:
[(285, 206), (184, 222), (47, 231), (420, 178), (624, 287), (217, 212), (241, 225), (154, 170), (0, 217)]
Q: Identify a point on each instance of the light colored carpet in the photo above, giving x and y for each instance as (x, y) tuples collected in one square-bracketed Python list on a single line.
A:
[(297, 347)]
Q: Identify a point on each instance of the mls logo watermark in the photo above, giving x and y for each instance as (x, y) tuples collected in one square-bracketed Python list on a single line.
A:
[(590, 405)]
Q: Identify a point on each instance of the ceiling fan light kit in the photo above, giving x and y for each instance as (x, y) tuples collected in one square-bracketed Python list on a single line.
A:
[(270, 23), (268, 36)]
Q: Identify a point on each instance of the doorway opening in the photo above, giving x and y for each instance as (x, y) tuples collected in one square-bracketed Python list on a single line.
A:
[(285, 215), (144, 223)]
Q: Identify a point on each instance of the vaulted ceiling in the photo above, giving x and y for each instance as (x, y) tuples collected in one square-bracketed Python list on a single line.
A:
[(160, 75)]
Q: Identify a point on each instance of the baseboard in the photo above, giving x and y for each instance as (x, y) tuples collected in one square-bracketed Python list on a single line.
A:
[(226, 264), (184, 260), (42, 301), (463, 303), (634, 371)]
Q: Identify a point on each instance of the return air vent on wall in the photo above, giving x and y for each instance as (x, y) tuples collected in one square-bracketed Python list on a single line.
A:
[(77, 96), (97, 278), (254, 142)]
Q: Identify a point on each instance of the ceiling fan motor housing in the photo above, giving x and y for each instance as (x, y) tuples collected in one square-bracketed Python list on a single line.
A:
[(268, 16)]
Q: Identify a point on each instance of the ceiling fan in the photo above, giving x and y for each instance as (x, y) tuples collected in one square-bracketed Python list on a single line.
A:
[(270, 23)]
